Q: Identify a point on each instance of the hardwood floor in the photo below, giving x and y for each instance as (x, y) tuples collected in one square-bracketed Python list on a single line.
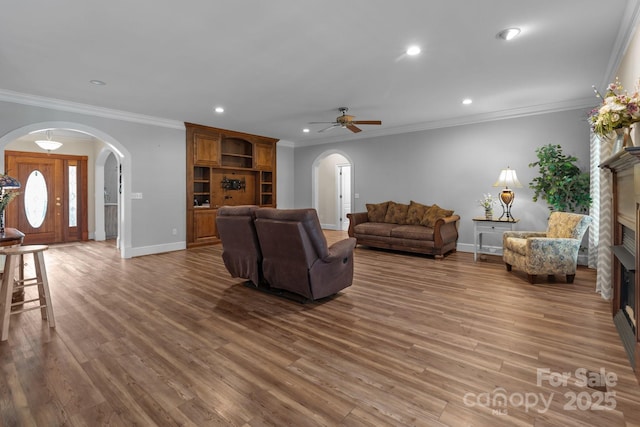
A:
[(171, 339)]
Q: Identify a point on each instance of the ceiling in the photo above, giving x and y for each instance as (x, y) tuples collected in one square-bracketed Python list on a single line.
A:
[(277, 65)]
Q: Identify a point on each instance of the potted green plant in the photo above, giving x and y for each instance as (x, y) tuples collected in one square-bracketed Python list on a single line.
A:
[(560, 183)]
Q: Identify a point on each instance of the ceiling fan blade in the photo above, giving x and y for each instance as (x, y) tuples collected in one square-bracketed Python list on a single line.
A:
[(367, 122), (354, 129), (328, 128)]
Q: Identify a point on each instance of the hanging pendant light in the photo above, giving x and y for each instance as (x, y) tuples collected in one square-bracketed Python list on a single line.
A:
[(48, 144)]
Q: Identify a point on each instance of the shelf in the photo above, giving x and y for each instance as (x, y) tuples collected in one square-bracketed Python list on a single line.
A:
[(625, 257), (246, 156)]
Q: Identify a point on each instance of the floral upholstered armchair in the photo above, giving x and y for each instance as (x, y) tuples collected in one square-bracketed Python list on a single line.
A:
[(552, 252)]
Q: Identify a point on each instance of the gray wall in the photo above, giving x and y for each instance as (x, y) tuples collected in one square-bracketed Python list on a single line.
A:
[(454, 166), (155, 164), (285, 166)]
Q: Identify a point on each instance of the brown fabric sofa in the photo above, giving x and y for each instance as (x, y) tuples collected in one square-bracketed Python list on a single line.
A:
[(412, 227)]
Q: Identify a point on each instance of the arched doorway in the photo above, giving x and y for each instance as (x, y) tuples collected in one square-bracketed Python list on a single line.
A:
[(97, 201), (332, 184)]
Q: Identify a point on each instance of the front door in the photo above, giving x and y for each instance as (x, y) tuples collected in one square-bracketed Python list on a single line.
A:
[(52, 204)]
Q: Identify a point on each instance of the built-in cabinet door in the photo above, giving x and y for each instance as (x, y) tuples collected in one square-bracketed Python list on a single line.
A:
[(206, 148), (264, 156), (204, 226)]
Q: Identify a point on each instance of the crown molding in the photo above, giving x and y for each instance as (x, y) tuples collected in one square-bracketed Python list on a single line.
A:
[(75, 107), (459, 121)]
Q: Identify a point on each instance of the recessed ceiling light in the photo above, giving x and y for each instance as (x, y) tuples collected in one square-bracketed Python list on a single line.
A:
[(219, 110), (305, 130), (508, 34), (97, 82), (413, 50), (467, 101)]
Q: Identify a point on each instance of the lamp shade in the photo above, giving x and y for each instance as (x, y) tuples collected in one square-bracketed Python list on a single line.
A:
[(48, 145), (508, 178), (7, 181)]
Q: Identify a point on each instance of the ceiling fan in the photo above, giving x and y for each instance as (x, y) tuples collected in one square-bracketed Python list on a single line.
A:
[(346, 121)]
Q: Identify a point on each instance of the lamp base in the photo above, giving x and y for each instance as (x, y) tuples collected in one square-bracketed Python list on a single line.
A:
[(506, 200)]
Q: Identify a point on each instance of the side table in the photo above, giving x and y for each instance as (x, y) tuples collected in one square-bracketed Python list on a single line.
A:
[(482, 226)]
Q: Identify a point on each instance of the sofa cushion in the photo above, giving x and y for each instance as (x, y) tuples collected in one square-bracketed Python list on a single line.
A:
[(377, 211), (413, 232), (396, 213), (415, 213), (374, 229), (433, 214)]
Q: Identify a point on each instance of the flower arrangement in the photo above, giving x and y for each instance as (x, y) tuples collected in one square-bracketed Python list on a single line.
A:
[(618, 110), (487, 201)]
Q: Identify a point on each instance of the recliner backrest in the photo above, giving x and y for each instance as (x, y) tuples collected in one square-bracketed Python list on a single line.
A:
[(241, 251)]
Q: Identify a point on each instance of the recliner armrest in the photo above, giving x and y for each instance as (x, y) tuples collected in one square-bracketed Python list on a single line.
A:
[(340, 250)]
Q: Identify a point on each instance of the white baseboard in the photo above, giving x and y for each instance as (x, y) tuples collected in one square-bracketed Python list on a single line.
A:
[(156, 249)]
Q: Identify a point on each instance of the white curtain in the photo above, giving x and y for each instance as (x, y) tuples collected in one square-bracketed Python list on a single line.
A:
[(601, 236)]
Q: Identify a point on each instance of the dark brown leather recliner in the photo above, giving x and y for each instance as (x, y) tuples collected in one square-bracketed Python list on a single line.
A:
[(240, 248), (296, 257)]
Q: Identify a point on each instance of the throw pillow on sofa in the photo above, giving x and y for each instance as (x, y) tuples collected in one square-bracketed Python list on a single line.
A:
[(396, 213), (415, 213), (433, 214), (376, 212)]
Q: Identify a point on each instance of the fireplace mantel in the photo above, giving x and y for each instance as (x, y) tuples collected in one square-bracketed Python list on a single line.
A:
[(625, 168)]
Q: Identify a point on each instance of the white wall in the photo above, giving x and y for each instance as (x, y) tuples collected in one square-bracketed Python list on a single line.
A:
[(453, 166)]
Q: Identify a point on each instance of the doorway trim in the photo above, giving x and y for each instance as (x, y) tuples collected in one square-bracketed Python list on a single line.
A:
[(123, 157), (315, 179)]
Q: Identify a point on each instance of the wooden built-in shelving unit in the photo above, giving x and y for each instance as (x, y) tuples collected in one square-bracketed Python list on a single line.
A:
[(225, 168)]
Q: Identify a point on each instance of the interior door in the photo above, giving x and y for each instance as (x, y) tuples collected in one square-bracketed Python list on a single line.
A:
[(52, 204)]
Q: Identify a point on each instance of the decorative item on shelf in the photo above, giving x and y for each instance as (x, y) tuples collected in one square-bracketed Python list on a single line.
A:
[(8, 185), (48, 144), (233, 184), (487, 203), (618, 112), (507, 178), (622, 139)]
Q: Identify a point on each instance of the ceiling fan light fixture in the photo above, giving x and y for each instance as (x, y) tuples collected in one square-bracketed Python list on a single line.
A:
[(219, 110), (508, 34), (467, 101)]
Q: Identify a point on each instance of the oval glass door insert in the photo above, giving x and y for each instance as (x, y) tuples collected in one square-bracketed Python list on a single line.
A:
[(35, 199)]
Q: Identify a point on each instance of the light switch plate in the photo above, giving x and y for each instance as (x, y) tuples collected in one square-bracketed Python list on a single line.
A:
[(136, 195)]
